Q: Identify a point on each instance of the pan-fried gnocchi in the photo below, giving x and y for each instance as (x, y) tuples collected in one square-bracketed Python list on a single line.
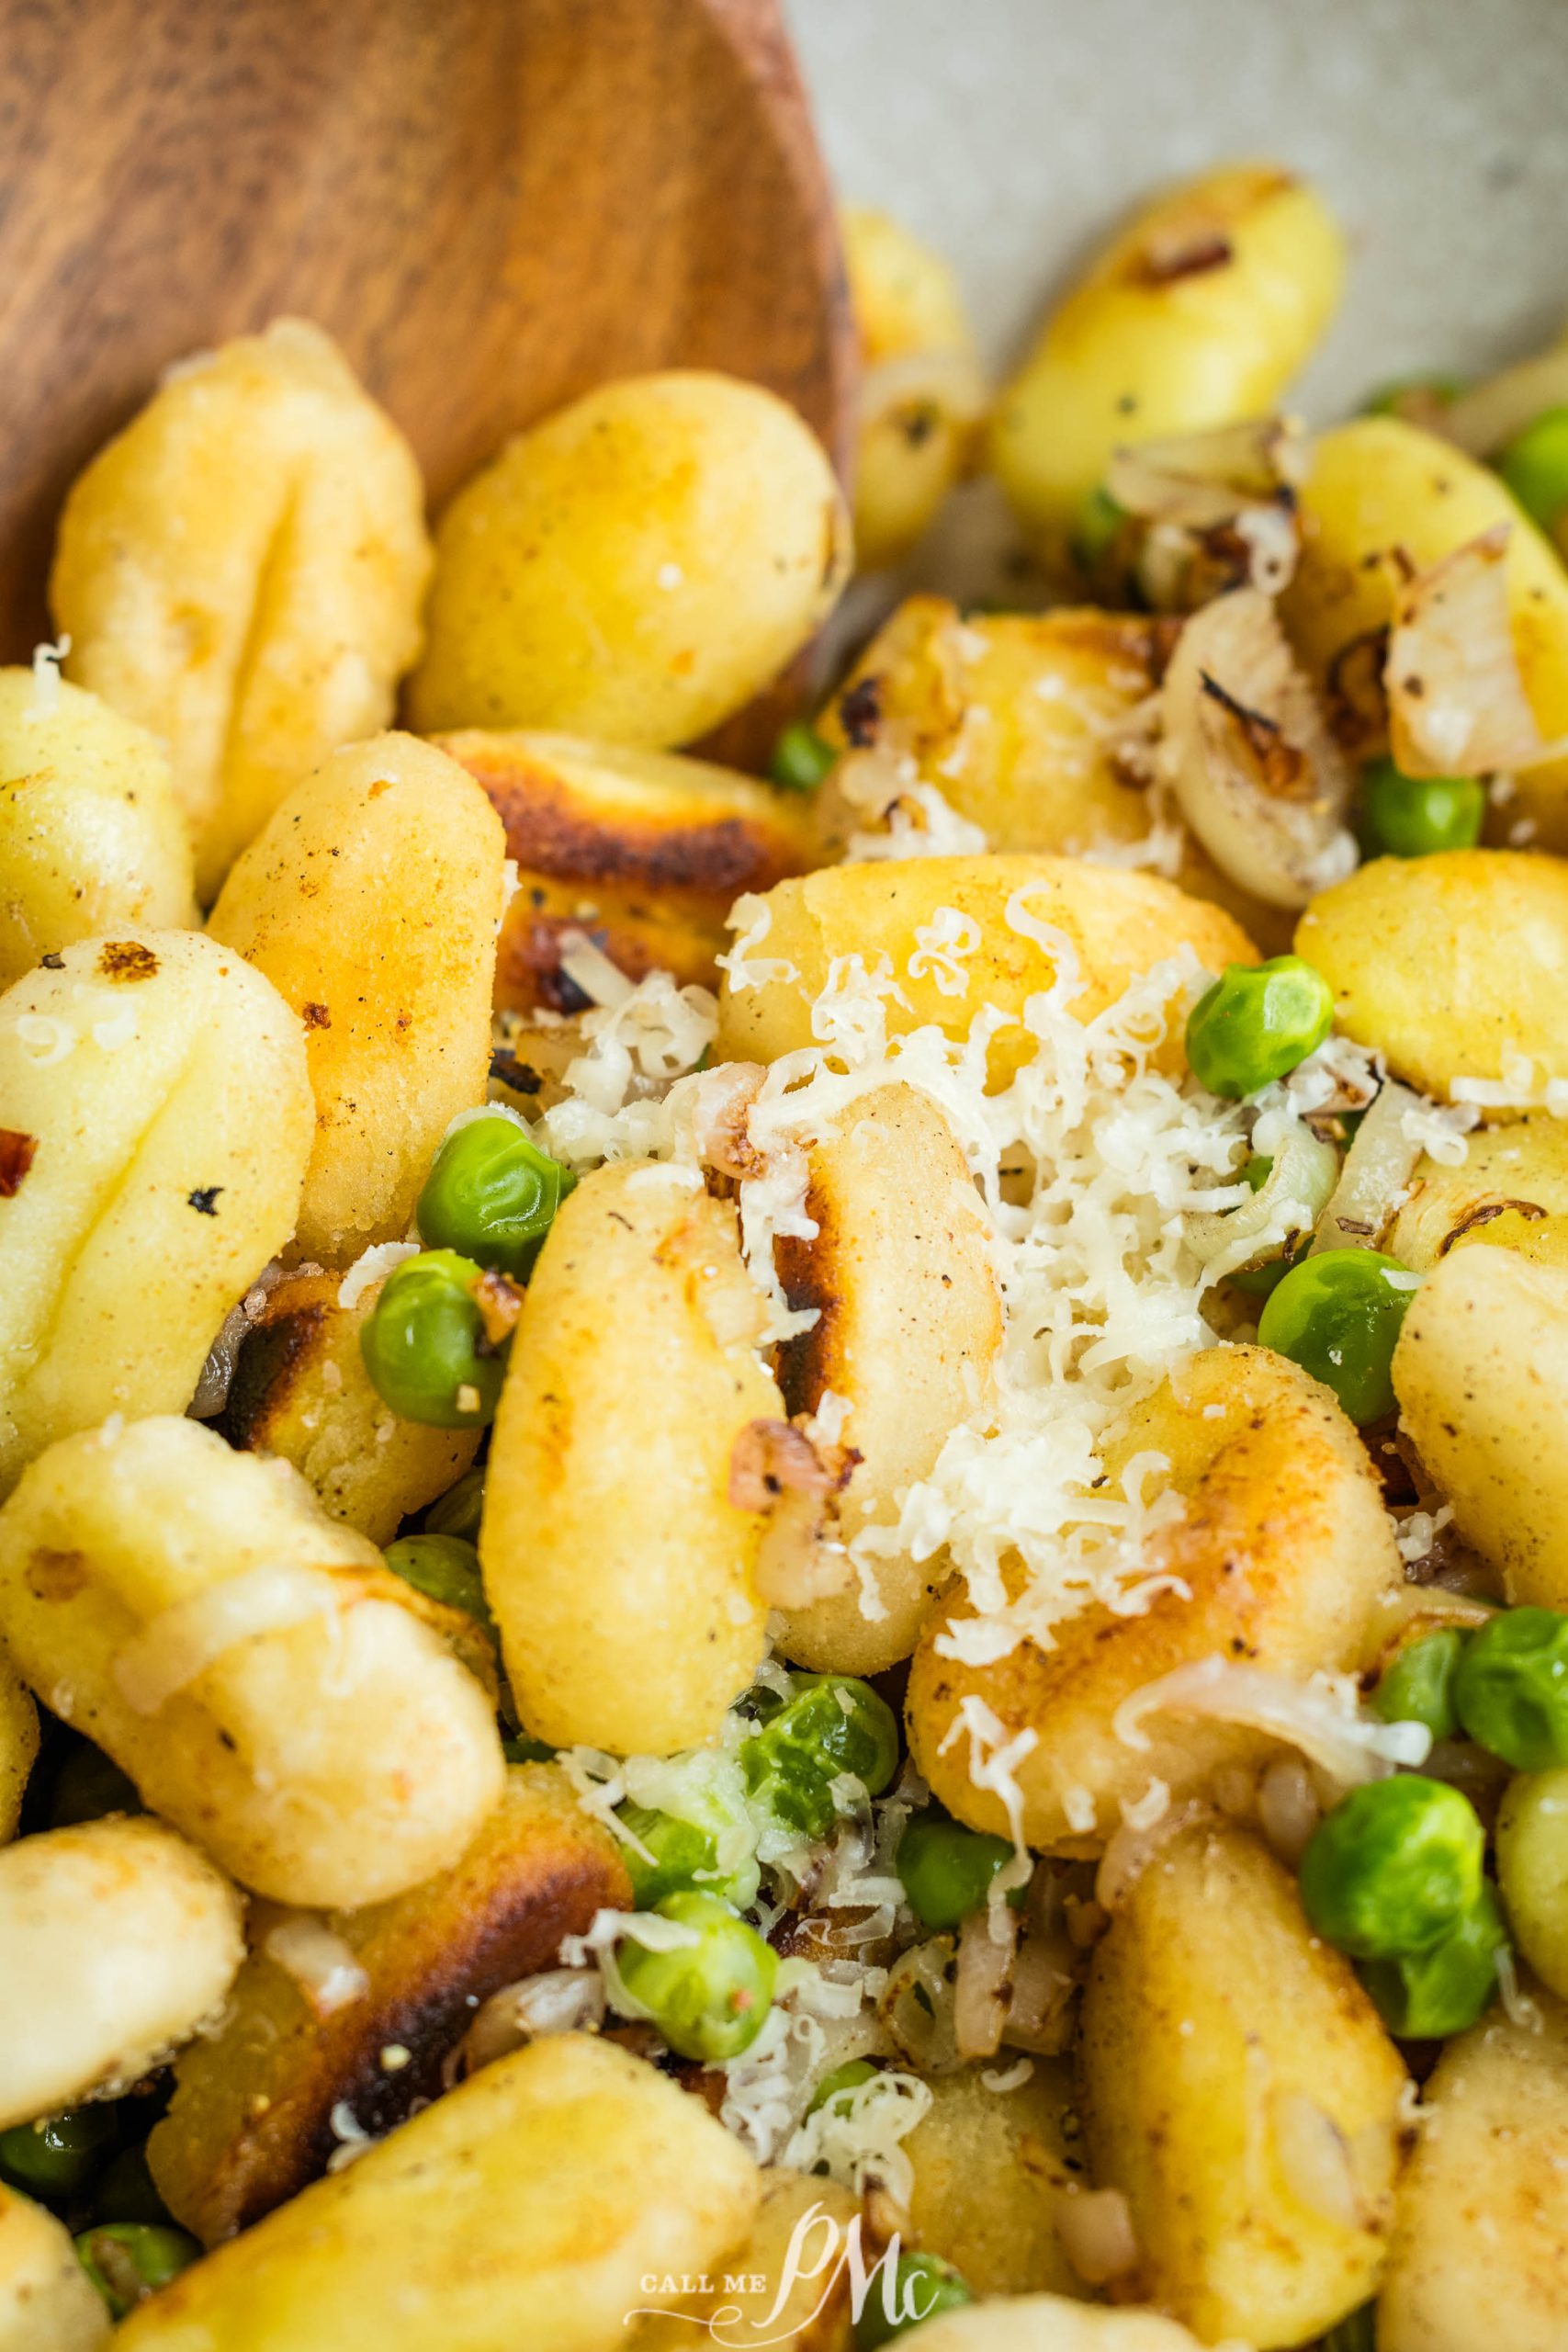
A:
[(1197, 314), (955, 934), (92, 838), (121, 1940), (900, 1278), (785, 1556), (372, 902), (635, 567), (922, 395), (157, 1112), (645, 851), (1454, 968), (620, 1567), (48, 2304), (241, 570), (1240, 2091), (1277, 1558), (251, 1664), (299, 1389), (572, 2171), (319, 2000)]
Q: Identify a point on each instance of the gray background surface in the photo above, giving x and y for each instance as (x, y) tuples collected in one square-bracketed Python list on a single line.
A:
[(1014, 132)]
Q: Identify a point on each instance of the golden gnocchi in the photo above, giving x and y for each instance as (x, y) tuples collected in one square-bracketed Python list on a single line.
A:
[(241, 570)]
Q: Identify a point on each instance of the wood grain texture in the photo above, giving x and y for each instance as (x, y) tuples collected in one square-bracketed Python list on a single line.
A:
[(493, 204)]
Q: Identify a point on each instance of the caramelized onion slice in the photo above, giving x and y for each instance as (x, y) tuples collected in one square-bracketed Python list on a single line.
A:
[(1376, 1175), (1248, 753), (1457, 703), (1204, 479)]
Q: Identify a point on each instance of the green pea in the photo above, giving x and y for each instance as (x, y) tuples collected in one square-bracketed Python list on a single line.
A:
[(1393, 1867), (947, 1870), (904, 2296), (1511, 1688), (60, 2154), (685, 1856), (1535, 467), (840, 2081), (424, 1346), (444, 1568), (128, 2261), (1256, 1024), (1338, 1316), (1423, 1995), (1402, 391), (801, 758), (127, 2191), (1358, 2333), (87, 1785), (491, 1194), (831, 1726), (459, 1510), (1412, 816), (1095, 527), (1418, 1686), (707, 1998)]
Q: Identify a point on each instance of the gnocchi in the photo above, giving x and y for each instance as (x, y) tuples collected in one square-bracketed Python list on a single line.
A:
[(637, 567), (1278, 1559), (270, 1685), (1240, 2091), (1017, 925), (1452, 966), (533, 2201), (645, 851), (372, 902), (241, 570), (621, 1573), (157, 1106), (1198, 313), (92, 838), (121, 1941)]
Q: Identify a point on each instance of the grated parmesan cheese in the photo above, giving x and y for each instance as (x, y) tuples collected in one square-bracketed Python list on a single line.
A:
[(372, 1266)]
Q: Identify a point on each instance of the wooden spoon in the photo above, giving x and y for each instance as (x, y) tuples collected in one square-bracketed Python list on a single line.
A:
[(492, 204)]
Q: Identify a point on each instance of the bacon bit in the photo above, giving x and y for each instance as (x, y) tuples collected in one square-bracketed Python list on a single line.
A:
[(767, 1457), (17, 1152), (315, 1017), (499, 1302), (126, 960)]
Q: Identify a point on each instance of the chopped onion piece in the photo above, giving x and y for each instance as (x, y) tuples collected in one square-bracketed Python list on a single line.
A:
[(1204, 479), (321, 1963), (1315, 2157), (1376, 1175), (917, 2007), (1095, 2226), (1248, 753), (1349, 1747), (560, 2000), (184, 1640), (1300, 1185), (1456, 703), (1483, 420), (950, 381), (1129, 1852), (980, 1984)]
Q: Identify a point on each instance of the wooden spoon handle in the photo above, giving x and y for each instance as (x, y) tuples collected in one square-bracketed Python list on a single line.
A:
[(493, 204)]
